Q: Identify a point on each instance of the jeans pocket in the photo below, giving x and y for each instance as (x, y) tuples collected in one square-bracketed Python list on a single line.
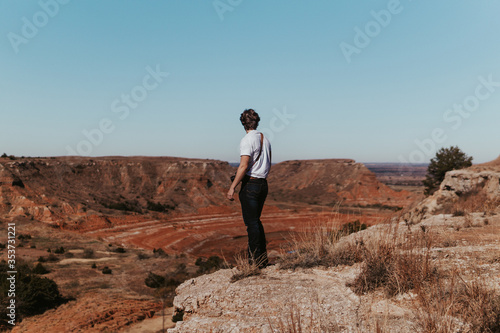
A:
[(253, 189)]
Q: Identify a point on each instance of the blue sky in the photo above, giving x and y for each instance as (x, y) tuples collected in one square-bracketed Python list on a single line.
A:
[(376, 81)]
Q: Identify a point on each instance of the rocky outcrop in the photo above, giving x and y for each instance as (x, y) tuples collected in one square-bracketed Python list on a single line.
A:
[(211, 303), (332, 182), (479, 181)]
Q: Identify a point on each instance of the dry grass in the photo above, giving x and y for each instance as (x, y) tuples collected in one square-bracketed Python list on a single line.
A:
[(318, 245), (396, 262), (455, 305), (246, 268), (472, 201), (293, 321)]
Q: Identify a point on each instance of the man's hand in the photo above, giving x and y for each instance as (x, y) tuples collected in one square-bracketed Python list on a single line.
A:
[(230, 194), (240, 173)]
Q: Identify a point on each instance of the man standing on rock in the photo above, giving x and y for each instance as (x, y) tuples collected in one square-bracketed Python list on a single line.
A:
[(255, 163)]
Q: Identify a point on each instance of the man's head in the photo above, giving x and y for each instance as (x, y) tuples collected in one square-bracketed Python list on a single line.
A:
[(250, 119)]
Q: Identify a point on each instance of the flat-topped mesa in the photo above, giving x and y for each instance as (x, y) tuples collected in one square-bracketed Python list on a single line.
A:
[(79, 190), (330, 182)]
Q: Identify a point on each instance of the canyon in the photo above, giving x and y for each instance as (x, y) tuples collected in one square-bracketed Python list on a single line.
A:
[(179, 205), (143, 204)]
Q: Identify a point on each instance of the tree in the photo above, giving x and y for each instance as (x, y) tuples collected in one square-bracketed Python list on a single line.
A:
[(446, 159), (33, 294)]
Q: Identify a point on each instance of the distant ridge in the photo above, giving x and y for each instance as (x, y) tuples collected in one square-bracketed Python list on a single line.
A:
[(491, 165), (495, 162)]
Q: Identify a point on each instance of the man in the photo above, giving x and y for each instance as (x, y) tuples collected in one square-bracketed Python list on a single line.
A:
[(255, 163)]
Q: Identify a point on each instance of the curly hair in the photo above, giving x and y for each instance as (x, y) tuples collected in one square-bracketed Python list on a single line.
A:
[(250, 119)]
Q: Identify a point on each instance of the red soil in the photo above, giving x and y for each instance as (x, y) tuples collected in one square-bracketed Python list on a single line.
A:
[(222, 234)]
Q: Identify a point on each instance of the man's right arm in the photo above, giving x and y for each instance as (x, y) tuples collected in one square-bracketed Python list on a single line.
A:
[(240, 173)]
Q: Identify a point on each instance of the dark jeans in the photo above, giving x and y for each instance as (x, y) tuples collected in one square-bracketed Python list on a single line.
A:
[(252, 196)]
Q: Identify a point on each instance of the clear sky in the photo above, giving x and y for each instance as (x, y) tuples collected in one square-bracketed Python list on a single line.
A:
[(376, 81)]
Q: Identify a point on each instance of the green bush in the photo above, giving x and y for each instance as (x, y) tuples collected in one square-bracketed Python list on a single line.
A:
[(88, 253), (158, 207), (154, 280), (127, 206), (446, 159), (352, 227), (120, 250), (212, 264), (160, 253), (34, 294), (59, 250), (23, 236), (40, 269), (52, 258), (106, 270)]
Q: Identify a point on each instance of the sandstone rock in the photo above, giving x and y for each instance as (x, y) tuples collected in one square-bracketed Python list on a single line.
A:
[(459, 182), (211, 303)]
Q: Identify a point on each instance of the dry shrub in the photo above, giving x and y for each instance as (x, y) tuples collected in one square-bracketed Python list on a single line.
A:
[(397, 265), (479, 306), (320, 245), (412, 216), (245, 267), (472, 201), (455, 305), (448, 241), (316, 321), (292, 323), (468, 221)]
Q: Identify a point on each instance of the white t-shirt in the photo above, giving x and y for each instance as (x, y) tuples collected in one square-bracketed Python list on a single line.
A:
[(250, 146)]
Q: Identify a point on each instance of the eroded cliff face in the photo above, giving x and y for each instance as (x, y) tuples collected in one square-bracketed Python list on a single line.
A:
[(332, 182), (97, 193), (91, 192)]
